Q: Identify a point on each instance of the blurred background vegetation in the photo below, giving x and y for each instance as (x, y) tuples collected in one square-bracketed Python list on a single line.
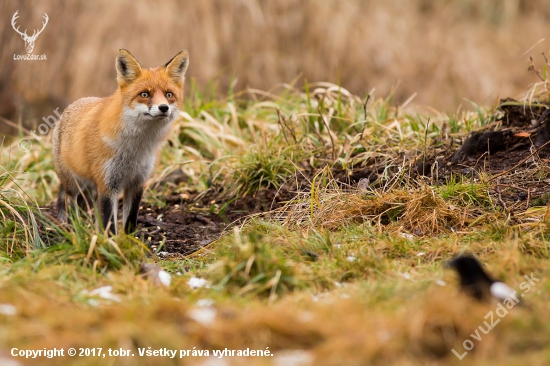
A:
[(445, 51)]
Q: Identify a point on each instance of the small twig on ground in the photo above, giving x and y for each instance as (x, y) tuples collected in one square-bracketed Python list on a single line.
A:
[(500, 201), (316, 132), (513, 186), (531, 67), (365, 106), (291, 130), (280, 123), (365, 110), (425, 146)]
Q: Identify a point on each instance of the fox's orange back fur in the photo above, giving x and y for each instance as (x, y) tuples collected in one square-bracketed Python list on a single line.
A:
[(108, 145)]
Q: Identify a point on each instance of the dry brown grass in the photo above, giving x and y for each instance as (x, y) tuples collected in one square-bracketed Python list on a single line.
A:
[(413, 326), (444, 51), (420, 211)]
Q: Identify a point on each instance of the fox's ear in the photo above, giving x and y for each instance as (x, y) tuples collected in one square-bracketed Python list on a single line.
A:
[(127, 67), (177, 66)]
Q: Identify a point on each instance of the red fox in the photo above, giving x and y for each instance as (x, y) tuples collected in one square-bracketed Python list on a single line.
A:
[(103, 146)]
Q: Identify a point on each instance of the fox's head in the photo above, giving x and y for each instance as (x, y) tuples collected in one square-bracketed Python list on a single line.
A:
[(151, 94)]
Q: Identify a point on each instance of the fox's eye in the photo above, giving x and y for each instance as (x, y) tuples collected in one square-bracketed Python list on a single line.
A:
[(144, 95), (169, 95)]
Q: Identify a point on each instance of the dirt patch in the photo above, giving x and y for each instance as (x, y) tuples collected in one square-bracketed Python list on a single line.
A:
[(187, 224)]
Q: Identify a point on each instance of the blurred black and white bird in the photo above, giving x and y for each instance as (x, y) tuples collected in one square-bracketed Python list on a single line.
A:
[(476, 282)]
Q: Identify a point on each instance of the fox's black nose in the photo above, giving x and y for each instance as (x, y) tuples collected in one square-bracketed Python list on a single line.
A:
[(163, 108)]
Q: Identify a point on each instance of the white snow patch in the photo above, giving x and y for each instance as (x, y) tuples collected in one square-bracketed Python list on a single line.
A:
[(214, 361), (164, 278), (406, 236), (103, 292), (293, 358), (204, 303), (8, 309), (203, 315), (195, 282), (8, 362)]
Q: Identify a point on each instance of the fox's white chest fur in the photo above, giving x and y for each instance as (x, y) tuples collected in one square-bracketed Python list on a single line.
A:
[(135, 148)]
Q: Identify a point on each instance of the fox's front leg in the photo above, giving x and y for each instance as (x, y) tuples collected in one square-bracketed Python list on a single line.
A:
[(108, 210), (62, 205), (132, 199)]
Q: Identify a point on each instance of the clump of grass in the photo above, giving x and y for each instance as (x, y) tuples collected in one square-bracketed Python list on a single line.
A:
[(83, 244), (252, 264), (264, 167), (18, 224), (465, 194)]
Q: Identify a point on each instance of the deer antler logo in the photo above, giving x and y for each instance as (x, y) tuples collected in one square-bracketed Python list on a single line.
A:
[(29, 41)]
